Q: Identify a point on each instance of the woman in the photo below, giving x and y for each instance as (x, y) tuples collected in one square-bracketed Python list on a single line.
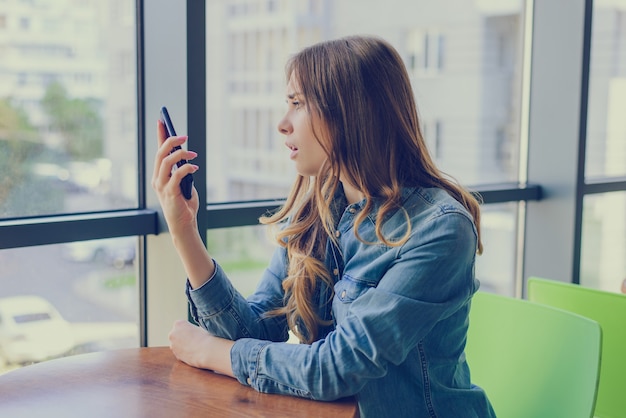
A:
[(374, 272)]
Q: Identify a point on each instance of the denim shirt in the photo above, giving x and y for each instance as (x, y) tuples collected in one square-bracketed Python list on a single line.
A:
[(399, 317)]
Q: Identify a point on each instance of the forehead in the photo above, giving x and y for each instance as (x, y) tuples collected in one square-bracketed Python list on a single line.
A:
[(293, 88)]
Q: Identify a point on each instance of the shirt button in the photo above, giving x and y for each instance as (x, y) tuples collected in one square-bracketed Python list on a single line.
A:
[(337, 234), (336, 272), (343, 294), (352, 210), (249, 381)]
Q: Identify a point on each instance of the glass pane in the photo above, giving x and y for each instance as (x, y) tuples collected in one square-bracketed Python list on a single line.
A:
[(496, 267), (68, 113), (243, 252), (65, 299), (465, 69), (603, 264), (606, 125)]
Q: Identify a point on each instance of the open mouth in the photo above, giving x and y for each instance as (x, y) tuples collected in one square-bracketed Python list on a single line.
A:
[(294, 150)]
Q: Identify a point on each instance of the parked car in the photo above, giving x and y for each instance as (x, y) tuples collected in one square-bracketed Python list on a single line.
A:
[(32, 330), (117, 252)]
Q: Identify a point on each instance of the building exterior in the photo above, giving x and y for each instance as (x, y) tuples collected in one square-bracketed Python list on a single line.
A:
[(465, 69)]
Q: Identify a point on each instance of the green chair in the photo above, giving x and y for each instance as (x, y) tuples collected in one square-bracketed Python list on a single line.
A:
[(609, 310), (533, 360)]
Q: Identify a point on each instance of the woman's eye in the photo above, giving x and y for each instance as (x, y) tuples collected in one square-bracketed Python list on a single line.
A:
[(297, 104)]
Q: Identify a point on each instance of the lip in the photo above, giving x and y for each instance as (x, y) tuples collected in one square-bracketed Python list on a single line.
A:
[(294, 150)]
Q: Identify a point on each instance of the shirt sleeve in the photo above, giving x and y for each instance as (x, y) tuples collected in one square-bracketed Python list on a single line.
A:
[(220, 309), (430, 278)]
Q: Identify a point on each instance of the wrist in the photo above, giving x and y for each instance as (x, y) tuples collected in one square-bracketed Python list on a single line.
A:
[(185, 234), (218, 355)]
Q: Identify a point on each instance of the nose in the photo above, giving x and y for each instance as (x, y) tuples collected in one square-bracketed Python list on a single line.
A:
[(284, 126)]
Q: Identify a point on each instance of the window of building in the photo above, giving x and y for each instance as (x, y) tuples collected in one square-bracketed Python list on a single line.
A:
[(426, 49)]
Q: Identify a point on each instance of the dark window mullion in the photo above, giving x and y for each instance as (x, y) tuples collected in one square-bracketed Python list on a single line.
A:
[(247, 213), (77, 227), (604, 185)]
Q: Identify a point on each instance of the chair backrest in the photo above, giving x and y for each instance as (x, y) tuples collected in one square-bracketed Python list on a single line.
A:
[(533, 360), (609, 310)]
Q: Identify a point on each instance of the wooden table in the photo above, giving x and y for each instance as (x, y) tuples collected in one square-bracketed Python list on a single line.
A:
[(143, 382)]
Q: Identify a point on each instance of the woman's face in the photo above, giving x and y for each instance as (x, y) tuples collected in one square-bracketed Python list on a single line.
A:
[(297, 126)]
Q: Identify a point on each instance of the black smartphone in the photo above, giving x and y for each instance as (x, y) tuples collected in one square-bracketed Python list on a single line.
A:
[(186, 183)]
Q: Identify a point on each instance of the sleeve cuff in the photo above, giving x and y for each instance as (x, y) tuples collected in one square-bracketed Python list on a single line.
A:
[(212, 297), (244, 359)]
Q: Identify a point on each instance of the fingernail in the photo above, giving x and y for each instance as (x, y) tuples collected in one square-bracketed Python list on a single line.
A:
[(191, 154), (195, 167)]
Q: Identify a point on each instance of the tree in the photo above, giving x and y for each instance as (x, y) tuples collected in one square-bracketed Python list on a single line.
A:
[(17, 144), (14, 124), (77, 120)]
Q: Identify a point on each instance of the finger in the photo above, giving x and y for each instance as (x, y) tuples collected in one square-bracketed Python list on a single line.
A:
[(163, 149), (174, 158), (161, 133), (169, 144), (164, 160), (178, 174), (161, 138)]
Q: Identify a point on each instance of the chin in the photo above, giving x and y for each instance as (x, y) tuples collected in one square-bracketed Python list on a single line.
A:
[(307, 173)]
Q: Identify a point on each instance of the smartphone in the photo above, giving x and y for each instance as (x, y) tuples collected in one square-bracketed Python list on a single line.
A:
[(186, 183)]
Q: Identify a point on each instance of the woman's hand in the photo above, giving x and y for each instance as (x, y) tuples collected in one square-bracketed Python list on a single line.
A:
[(196, 347), (180, 213)]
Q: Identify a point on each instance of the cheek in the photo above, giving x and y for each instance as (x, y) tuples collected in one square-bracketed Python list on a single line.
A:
[(319, 153), (318, 158), (310, 159), (313, 148)]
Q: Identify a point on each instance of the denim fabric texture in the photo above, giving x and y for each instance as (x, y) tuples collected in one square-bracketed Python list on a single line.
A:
[(399, 317)]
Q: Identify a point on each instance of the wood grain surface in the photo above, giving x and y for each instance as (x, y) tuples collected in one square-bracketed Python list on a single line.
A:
[(143, 382)]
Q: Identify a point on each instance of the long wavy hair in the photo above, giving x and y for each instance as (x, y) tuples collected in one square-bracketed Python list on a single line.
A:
[(359, 89)]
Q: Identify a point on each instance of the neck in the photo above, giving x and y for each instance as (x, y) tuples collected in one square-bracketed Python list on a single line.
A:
[(353, 195)]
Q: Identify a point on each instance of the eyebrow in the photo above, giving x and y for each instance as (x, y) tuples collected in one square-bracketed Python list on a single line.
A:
[(294, 95)]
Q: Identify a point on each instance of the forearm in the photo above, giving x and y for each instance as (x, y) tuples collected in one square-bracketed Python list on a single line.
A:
[(325, 370), (197, 262), (219, 358), (218, 307)]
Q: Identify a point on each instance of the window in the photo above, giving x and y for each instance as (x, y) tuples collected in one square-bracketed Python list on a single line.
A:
[(432, 131), (425, 50), (606, 126), (243, 253), (463, 94), (603, 242), (61, 152), (68, 146), (603, 265), (83, 294), (473, 102)]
